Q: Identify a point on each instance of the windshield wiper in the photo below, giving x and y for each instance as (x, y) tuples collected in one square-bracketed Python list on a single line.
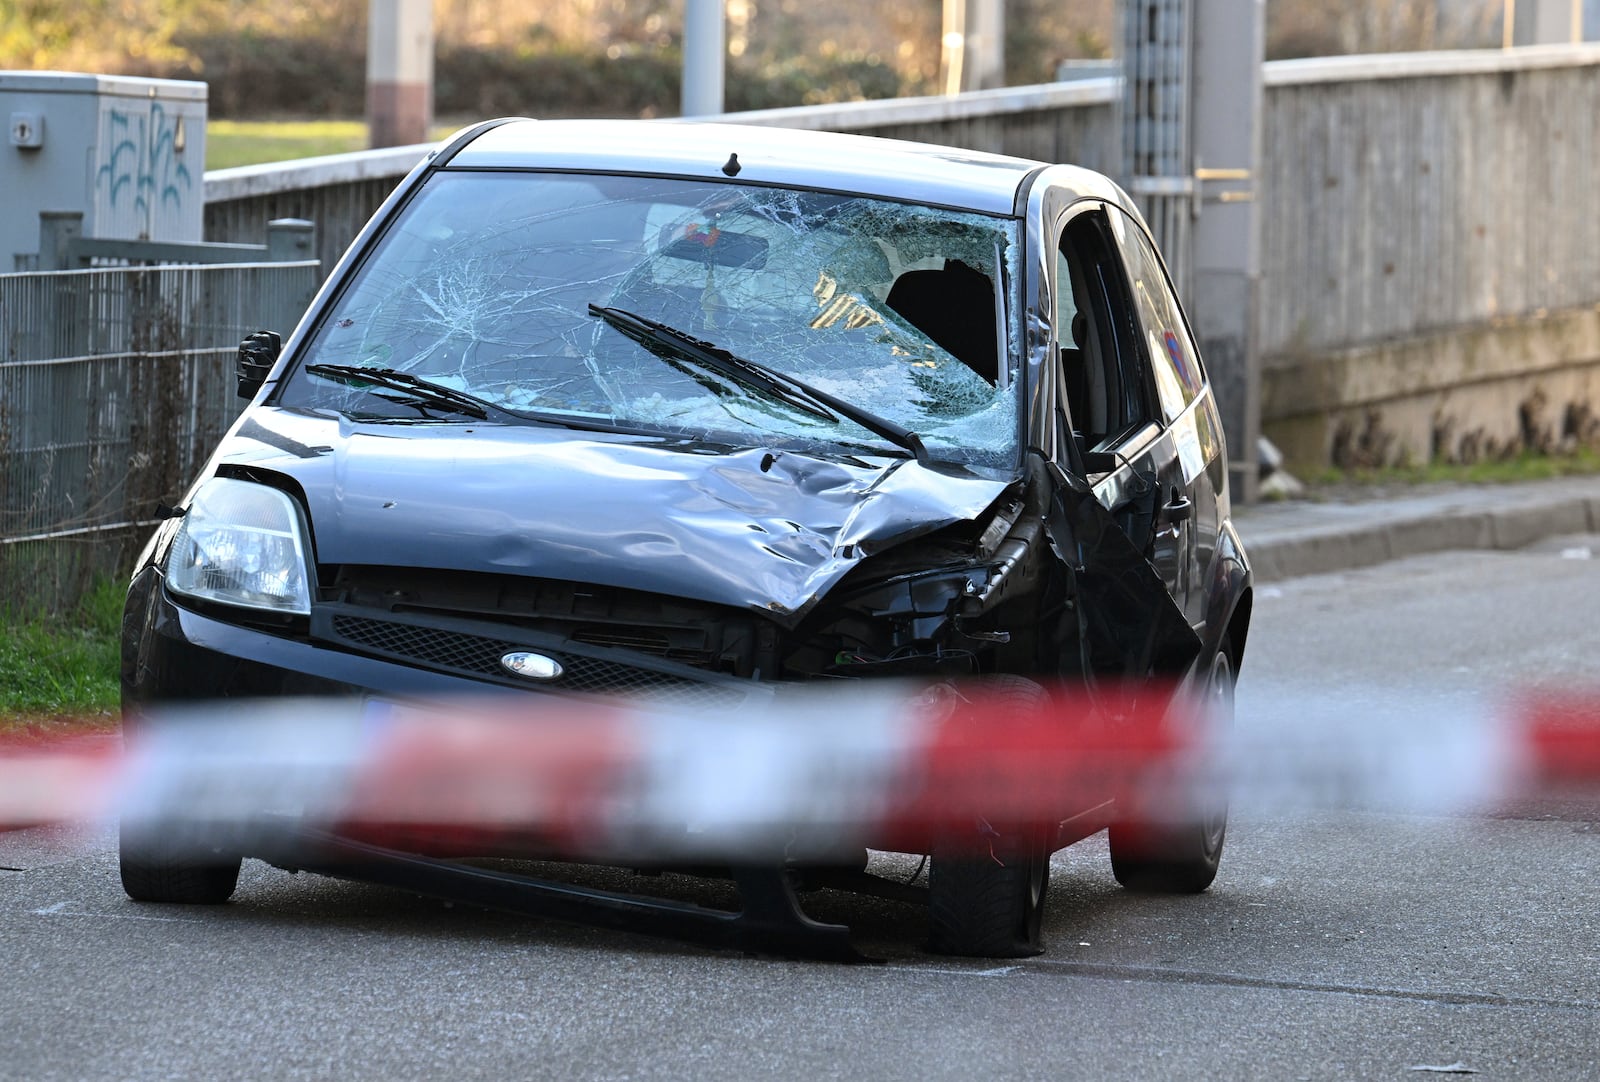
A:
[(426, 392), (653, 334), (780, 385)]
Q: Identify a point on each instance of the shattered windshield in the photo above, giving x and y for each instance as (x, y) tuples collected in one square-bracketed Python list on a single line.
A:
[(493, 285)]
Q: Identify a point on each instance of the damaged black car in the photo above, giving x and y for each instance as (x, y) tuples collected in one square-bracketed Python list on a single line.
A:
[(690, 410)]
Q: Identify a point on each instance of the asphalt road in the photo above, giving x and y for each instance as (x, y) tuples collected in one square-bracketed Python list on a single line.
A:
[(1356, 942)]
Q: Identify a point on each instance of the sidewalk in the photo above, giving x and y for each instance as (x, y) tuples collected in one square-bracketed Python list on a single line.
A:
[(1347, 531)]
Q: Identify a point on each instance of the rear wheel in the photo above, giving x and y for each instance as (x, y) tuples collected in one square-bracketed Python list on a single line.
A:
[(1177, 850), (987, 886)]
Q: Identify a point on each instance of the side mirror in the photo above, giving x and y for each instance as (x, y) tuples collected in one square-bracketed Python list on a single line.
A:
[(257, 354)]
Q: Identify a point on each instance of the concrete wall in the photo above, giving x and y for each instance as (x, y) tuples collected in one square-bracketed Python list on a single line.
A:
[(1430, 253), (1430, 235)]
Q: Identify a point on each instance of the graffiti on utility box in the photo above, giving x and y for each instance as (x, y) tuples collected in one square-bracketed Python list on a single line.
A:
[(143, 169)]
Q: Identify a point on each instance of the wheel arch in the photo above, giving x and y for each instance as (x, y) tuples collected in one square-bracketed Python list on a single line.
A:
[(1238, 627), (1232, 597)]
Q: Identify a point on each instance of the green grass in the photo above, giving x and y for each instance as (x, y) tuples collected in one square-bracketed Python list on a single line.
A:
[(252, 142), (239, 142), (56, 673), (1524, 467)]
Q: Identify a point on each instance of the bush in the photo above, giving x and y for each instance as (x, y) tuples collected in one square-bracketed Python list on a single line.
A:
[(251, 74), (254, 75), (554, 82), (810, 80)]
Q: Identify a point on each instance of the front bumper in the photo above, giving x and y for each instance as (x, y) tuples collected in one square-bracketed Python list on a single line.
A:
[(172, 653)]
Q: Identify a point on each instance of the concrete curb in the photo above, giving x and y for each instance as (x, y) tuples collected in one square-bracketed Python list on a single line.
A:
[(1304, 538)]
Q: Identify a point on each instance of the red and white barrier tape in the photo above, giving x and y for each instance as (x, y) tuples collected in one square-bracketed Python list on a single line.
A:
[(869, 763)]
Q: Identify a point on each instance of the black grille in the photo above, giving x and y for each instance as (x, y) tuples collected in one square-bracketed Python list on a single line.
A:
[(480, 655), (443, 649), (645, 641)]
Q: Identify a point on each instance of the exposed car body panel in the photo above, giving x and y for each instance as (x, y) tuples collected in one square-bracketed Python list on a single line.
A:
[(748, 528)]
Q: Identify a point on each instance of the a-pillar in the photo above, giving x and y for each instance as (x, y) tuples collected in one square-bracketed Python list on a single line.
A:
[(399, 72)]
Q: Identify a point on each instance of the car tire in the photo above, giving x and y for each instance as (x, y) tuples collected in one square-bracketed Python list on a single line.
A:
[(987, 888), (155, 869), (1179, 853)]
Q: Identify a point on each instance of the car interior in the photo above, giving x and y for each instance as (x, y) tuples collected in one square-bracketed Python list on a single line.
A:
[(955, 307), (1099, 360)]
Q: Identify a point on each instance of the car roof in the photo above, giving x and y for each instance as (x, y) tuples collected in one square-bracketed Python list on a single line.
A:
[(830, 161)]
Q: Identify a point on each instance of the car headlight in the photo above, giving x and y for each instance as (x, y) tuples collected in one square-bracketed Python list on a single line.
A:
[(241, 544)]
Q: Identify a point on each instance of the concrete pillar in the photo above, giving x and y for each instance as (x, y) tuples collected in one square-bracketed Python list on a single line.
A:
[(705, 49), (57, 230), (953, 46), (1225, 254), (1544, 22), (973, 45), (399, 72), (986, 45), (290, 240)]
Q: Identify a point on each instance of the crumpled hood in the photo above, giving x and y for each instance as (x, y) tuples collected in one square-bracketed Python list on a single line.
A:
[(621, 511)]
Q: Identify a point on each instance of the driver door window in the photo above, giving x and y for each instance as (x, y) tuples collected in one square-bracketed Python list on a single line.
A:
[(1101, 378), (1174, 361)]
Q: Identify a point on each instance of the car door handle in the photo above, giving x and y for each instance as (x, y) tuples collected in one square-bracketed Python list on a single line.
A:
[(1178, 510)]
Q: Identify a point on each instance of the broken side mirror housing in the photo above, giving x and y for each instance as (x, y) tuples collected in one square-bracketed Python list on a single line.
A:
[(257, 354)]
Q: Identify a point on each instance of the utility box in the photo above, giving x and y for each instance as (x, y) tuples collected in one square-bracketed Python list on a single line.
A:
[(127, 153)]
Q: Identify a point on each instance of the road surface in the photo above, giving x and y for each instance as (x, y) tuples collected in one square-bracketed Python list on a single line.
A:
[(1357, 942)]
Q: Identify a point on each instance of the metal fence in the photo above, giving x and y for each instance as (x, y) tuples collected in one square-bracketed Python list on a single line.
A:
[(115, 385)]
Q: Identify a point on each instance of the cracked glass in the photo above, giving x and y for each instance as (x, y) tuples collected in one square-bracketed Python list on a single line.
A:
[(485, 285)]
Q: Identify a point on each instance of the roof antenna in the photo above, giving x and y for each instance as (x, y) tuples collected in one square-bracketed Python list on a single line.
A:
[(732, 167)]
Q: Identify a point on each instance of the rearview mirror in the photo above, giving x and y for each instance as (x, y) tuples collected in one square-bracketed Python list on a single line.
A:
[(720, 247), (257, 354)]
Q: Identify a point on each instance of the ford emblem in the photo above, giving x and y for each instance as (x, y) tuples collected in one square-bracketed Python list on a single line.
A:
[(533, 666)]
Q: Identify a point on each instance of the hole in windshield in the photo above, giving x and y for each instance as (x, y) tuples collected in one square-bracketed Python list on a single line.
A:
[(484, 286)]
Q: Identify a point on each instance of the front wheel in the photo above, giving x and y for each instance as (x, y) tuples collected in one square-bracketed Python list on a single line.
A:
[(158, 867), (991, 905), (1178, 851), (987, 885)]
